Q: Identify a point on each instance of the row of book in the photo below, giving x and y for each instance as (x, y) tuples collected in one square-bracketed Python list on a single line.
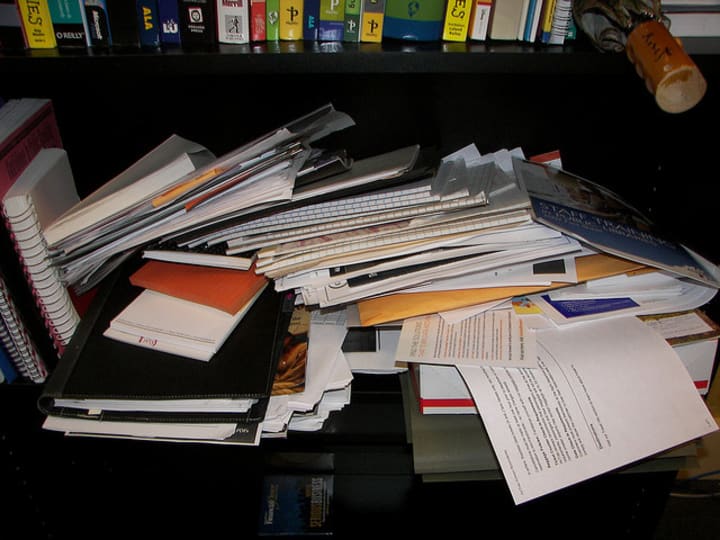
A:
[(153, 24)]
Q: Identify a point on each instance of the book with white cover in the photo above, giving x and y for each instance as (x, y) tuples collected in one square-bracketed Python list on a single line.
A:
[(159, 321), (441, 390), (43, 191), (152, 173)]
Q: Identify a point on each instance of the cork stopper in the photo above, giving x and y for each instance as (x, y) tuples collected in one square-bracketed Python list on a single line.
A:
[(669, 73)]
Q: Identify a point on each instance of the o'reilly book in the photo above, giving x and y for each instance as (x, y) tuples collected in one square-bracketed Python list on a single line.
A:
[(67, 21)]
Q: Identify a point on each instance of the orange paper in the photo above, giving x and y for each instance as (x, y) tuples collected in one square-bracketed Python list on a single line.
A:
[(224, 289)]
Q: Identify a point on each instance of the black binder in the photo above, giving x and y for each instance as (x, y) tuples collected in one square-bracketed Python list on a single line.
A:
[(97, 367)]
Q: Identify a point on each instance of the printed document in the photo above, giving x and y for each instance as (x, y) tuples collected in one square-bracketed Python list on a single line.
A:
[(606, 394), (493, 338)]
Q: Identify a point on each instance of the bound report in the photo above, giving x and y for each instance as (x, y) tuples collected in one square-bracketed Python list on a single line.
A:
[(43, 192), (97, 367)]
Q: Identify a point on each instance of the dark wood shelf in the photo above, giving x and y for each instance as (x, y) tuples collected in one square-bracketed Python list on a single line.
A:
[(306, 57)]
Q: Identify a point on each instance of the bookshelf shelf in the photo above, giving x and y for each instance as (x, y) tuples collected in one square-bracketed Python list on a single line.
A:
[(345, 58)]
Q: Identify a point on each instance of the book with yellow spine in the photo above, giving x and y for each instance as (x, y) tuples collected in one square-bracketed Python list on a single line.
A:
[(457, 19), (291, 20), (371, 20), (37, 24)]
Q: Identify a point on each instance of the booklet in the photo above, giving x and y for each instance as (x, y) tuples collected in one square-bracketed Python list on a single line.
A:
[(595, 215)]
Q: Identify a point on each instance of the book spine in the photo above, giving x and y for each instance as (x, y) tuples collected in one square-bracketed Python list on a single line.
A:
[(27, 360), (123, 22), (531, 25), (560, 22), (233, 21), (98, 23), (272, 19), (67, 20), (311, 19), (12, 36), (371, 21), (457, 19), (423, 23), (291, 20), (169, 22), (479, 18), (351, 20), (19, 149), (37, 24), (50, 295), (257, 21), (198, 22), (148, 23), (332, 20)]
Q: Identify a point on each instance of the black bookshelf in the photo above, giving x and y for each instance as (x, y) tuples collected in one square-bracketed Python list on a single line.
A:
[(311, 57), (112, 107)]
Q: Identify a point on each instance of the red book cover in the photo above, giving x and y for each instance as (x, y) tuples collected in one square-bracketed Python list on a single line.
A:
[(221, 288), (39, 130), (257, 20)]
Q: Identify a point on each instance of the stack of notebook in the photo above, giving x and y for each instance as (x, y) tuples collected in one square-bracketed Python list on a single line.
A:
[(108, 387)]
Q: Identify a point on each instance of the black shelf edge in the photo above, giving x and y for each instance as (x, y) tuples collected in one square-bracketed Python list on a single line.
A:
[(311, 57)]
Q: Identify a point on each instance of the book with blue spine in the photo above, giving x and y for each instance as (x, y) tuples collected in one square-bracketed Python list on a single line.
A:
[(169, 22), (148, 23), (414, 20), (332, 20), (311, 19)]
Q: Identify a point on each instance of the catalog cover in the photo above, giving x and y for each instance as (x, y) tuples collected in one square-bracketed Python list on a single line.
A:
[(595, 215), (296, 504)]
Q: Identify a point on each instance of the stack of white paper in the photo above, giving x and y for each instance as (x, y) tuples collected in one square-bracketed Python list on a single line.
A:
[(158, 321)]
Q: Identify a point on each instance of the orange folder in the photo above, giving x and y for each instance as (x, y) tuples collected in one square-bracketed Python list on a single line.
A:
[(221, 288), (395, 307)]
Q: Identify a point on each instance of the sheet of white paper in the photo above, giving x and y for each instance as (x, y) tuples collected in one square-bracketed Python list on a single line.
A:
[(325, 337), (454, 316), (607, 394), (172, 430), (494, 338), (382, 360)]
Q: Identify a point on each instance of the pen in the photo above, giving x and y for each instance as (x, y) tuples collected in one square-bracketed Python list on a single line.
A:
[(184, 187)]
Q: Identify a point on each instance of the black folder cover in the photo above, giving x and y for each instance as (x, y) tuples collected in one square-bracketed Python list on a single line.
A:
[(97, 367)]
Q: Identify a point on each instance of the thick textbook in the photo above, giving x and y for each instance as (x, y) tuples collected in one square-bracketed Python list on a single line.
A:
[(45, 190), (97, 367)]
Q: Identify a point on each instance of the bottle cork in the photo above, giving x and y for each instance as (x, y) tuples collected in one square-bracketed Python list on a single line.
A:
[(669, 73)]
